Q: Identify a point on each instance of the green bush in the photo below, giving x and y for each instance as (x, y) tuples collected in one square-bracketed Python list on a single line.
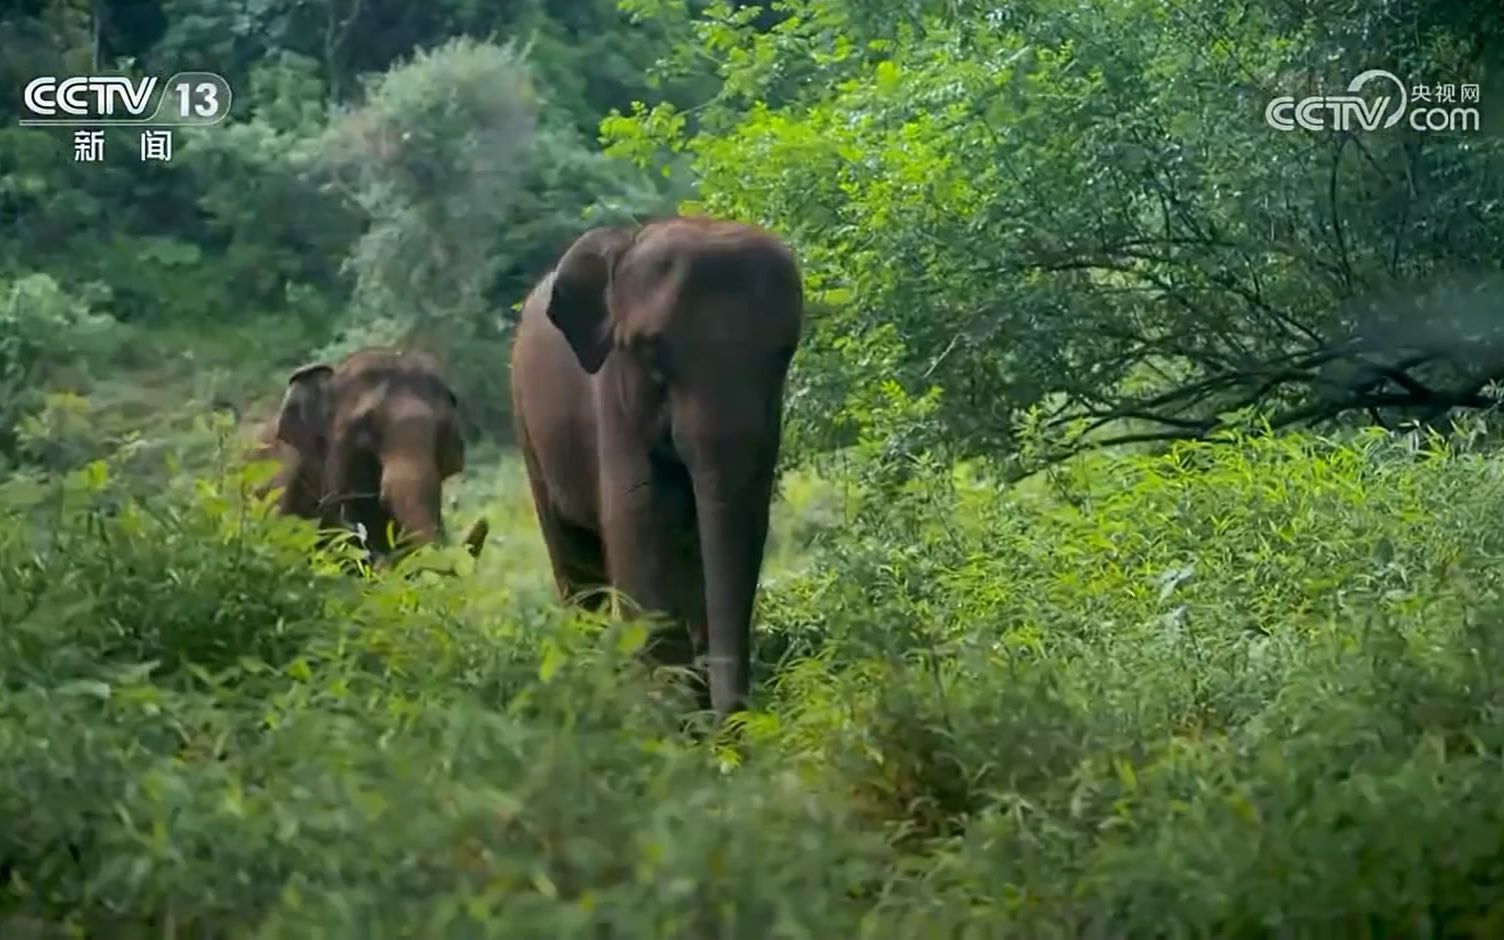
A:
[(49, 339), (1244, 689), (432, 158), (204, 730), (470, 190)]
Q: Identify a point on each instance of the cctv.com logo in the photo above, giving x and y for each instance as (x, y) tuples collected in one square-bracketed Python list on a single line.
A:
[(1392, 105)]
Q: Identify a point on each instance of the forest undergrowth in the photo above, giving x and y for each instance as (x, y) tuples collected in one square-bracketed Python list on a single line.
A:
[(1248, 688)]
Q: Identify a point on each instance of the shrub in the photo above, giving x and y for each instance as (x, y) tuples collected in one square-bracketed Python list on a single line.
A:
[(203, 730), (45, 334), (1245, 689), (433, 159), (1237, 690), (470, 192)]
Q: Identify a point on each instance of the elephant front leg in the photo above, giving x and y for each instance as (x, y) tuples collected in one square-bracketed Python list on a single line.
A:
[(652, 558), (574, 552)]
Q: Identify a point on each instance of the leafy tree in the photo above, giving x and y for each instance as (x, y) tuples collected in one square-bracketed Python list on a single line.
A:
[(468, 197), (1077, 219), (433, 158), (236, 230)]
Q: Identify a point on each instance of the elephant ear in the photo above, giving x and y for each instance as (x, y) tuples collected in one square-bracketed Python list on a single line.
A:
[(577, 302), (451, 448), (451, 443), (304, 419), (451, 451)]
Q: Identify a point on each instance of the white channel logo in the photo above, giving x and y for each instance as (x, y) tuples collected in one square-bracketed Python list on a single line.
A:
[(187, 98), (1353, 112)]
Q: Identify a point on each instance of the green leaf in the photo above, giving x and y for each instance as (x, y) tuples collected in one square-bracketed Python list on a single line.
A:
[(89, 687), (554, 657)]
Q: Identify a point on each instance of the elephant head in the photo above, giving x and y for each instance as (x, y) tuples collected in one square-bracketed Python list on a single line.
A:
[(298, 480), (375, 436), (690, 326)]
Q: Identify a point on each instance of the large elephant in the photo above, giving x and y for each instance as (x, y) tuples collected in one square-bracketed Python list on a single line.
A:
[(369, 442), (648, 373)]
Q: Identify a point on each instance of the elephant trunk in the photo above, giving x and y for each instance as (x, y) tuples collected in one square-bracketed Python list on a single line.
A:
[(410, 492), (733, 524)]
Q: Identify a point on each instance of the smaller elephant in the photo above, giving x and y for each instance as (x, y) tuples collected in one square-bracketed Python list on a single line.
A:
[(367, 444)]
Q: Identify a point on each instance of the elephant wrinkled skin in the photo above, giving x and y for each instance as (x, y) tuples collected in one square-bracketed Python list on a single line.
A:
[(648, 373), (368, 442)]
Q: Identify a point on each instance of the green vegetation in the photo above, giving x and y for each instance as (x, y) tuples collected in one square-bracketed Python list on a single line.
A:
[(1136, 573)]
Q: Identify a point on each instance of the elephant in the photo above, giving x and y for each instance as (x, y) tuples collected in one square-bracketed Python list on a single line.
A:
[(648, 375), (298, 480), (368, 442)]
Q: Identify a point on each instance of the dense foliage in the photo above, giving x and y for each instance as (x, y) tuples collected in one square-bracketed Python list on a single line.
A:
[(1231, 691), (1073, 215), (1244, 684)]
